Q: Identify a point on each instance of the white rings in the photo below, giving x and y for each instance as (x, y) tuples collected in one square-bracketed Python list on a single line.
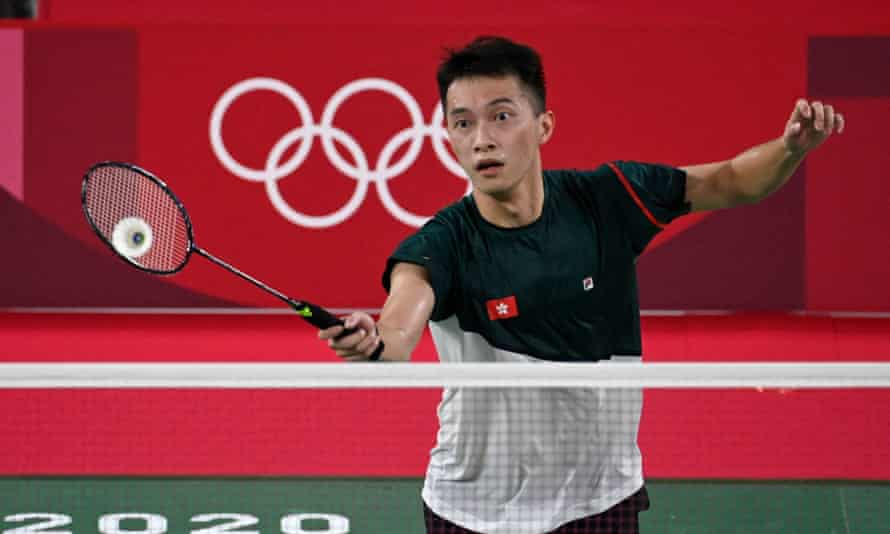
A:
[(362, 172)]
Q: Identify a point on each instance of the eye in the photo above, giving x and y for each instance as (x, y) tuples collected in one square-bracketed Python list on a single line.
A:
[(460, 124), (502, 115)]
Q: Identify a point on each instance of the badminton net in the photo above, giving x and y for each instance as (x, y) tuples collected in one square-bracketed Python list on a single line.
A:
[(337, 448)]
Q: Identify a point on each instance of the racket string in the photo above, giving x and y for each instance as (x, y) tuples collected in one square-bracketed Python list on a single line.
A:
[(117, 196)]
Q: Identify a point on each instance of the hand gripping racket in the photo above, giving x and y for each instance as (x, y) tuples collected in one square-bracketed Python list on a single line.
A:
[(144, 223)]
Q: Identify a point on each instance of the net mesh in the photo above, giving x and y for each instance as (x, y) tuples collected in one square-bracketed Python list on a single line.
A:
[(137, 217), (115, 455)]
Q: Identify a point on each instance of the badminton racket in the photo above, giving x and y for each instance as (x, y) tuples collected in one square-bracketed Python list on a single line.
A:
[(144, 223)]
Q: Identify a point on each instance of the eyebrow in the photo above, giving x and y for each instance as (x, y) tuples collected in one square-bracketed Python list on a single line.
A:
[(495, 102)]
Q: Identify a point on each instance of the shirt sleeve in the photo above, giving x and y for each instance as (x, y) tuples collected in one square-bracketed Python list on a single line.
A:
[(647, 197), (431, 247)]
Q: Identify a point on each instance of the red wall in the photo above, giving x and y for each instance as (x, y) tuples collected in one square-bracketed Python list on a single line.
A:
[(672, 82), (685, 84), (854, 16)]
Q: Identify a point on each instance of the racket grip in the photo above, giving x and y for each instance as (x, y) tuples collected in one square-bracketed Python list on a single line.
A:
[(322, 318), (317, 316)]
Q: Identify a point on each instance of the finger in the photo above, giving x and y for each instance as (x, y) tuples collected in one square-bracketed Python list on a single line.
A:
[(360, 320), (330, 333), (818, 116), (350, 321), (829, 119), (366, 344), (839, 119), (801, 111), (377, 341), (348, 342)]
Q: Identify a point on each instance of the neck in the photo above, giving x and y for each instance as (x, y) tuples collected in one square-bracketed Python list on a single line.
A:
[(516, 207)]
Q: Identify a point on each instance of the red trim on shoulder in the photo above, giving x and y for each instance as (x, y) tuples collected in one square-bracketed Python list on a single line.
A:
[(634, 196)]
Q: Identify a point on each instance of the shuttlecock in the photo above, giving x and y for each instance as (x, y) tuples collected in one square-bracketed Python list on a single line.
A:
[(131, 237)]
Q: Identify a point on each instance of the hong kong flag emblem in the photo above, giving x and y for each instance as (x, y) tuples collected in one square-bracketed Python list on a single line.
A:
[(502, 308)]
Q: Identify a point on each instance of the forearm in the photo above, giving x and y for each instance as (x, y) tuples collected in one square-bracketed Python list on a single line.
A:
[(399, 328), (399, 343), (747, 178), (760, 171), (405, 312)]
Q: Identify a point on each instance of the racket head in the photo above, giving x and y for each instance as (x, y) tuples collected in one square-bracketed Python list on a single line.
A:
[(137, 216)]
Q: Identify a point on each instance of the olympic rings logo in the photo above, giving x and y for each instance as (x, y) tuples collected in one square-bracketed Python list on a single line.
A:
[(362, 172)]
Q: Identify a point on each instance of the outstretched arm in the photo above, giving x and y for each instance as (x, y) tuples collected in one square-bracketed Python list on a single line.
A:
[(402, 320), (759, 171)]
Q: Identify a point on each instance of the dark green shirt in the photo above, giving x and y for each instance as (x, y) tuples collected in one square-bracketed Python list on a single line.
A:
[(564, 287)]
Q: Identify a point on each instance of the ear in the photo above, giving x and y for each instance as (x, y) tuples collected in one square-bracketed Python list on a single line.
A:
[(546, 123)]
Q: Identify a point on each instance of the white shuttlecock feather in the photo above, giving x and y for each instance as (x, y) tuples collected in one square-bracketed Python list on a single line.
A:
[(131, 237)]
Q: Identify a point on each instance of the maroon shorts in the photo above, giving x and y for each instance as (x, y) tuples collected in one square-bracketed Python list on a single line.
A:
[(619, 519)]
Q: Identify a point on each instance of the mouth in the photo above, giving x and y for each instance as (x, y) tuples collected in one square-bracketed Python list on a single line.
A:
[(489, 167)]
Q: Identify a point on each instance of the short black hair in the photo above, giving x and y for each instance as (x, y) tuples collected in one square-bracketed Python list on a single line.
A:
[(496, 57)]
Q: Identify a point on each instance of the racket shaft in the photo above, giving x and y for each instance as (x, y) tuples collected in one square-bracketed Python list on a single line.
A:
[(313, 314)]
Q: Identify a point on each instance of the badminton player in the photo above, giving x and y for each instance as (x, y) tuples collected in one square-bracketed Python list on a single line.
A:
[(538, 265)]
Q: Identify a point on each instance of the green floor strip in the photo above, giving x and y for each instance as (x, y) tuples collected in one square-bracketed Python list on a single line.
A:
[(392, 506)]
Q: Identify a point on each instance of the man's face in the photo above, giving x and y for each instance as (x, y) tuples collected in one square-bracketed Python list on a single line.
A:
[(495, 132)]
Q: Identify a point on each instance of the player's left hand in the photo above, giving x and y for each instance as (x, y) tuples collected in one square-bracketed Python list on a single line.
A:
[(811, 123)]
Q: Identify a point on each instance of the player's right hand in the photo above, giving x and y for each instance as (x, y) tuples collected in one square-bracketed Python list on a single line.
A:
[(357, 346)]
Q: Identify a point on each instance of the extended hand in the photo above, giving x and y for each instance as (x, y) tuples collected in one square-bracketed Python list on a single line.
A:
[(358, 346), (810, 125)]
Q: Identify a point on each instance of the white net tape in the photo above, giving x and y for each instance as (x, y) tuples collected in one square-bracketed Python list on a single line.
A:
[(423, 375)]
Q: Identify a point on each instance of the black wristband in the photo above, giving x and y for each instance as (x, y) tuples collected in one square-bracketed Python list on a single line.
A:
[(375, 356)]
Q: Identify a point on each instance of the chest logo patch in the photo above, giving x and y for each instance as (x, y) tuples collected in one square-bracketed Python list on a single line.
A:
[(587, 283), (502, 308)]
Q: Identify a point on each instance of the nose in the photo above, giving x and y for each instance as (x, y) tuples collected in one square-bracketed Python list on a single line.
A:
[(483, 142)]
